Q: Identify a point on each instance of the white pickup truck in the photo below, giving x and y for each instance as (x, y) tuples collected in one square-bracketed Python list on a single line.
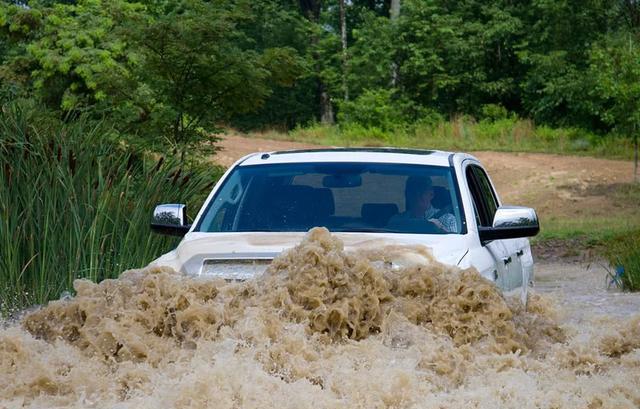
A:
[(266, 202)]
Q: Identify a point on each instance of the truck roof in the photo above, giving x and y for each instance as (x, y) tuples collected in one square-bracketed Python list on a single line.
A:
[(376, 155)]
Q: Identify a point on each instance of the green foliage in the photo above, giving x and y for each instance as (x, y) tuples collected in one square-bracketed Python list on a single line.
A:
[(168, 74), (278, 31), (116, 80), (81, 59), (624, 250), (372, 54), (437, 60), (555, 85), (375, 109), (201, 71), (614, 70), (493, 112), (165, 74), (74, 204), (18, 25)]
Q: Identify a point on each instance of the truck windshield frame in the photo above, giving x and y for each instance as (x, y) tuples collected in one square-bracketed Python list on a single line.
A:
[(341, 196)]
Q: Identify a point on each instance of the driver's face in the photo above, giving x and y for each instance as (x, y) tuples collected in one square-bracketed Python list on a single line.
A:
[(424, 200)]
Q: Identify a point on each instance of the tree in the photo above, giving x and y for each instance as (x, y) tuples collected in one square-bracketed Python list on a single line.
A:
[(200, 69), (372, 55), (394, 13), (18, 26), (311, 9), (167, 72), (343, 41), (164, 74), (554, 58), (292, 101), (81, 59), (614, 66)]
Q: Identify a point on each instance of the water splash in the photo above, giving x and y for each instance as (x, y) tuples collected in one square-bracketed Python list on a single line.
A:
[(322, 328)]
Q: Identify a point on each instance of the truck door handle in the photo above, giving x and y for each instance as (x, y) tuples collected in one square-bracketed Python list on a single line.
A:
[(519, 253), (507, 260)]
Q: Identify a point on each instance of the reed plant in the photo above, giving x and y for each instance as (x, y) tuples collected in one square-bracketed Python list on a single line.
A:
[(75, 203), (623, 254)]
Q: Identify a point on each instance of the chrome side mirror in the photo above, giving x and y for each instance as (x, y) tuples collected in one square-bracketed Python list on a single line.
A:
[(511, 222), (170, 219)]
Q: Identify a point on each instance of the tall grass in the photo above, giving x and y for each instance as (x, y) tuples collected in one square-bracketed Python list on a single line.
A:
[(623, 251), (75, 204), (466, 134)]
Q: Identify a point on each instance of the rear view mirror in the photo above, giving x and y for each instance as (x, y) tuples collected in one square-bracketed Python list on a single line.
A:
[(342, 180), (170, 219), (511, 222)]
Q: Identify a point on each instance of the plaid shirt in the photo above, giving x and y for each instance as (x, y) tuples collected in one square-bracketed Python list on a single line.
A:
[(448, 220)]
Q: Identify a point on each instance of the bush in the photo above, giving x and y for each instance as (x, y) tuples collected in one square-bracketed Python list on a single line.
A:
[(375, 109), (428, 118), (493, 112), (624, 250), (75, 204)]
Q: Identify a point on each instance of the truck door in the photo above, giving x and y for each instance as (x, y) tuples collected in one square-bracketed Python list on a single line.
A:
[(515, 251), (514, 248), (485, 205), (520, 251)]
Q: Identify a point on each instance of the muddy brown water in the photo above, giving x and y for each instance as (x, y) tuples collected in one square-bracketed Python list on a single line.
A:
[(327, 329)]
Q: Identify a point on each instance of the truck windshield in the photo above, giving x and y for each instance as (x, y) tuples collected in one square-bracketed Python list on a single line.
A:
[(343, 197)]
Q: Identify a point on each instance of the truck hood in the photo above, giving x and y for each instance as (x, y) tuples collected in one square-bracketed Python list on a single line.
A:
[(244, 255)]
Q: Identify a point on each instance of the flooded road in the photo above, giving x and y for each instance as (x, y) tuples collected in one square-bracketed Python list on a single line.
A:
[(327, 329)]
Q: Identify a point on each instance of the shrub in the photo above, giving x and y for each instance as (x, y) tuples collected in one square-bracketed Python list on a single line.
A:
[(375, 109), (75, 204), (356, 134), (493, 112), (428, 118), (624, 250)]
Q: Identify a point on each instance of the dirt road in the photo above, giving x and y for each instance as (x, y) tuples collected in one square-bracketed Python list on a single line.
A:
[(563, 187)]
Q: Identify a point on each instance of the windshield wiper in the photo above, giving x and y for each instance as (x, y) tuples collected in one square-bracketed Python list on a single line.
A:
[(367, 230)]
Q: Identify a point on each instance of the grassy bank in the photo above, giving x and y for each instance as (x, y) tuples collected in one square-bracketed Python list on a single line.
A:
[(592, 229), (623, 253), (466, 134), (75, 204), (623, 218)]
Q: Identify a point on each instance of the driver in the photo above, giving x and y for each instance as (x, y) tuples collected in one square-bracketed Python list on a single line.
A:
[(418, 194)]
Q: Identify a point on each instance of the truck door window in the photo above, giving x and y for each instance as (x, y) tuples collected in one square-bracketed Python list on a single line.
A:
[(484, 199), (488, 194)]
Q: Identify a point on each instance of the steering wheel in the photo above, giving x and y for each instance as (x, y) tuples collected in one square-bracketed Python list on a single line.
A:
[(414, 226)]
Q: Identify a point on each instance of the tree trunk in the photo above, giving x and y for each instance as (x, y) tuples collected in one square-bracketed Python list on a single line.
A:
[(635, 157), (343, 37), (311, 10), (394, 10), (326, 108), (394, 13), (631, 10)]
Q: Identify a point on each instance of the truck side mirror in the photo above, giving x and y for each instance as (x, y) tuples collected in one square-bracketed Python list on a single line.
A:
[(170, 219), (511, 222)]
